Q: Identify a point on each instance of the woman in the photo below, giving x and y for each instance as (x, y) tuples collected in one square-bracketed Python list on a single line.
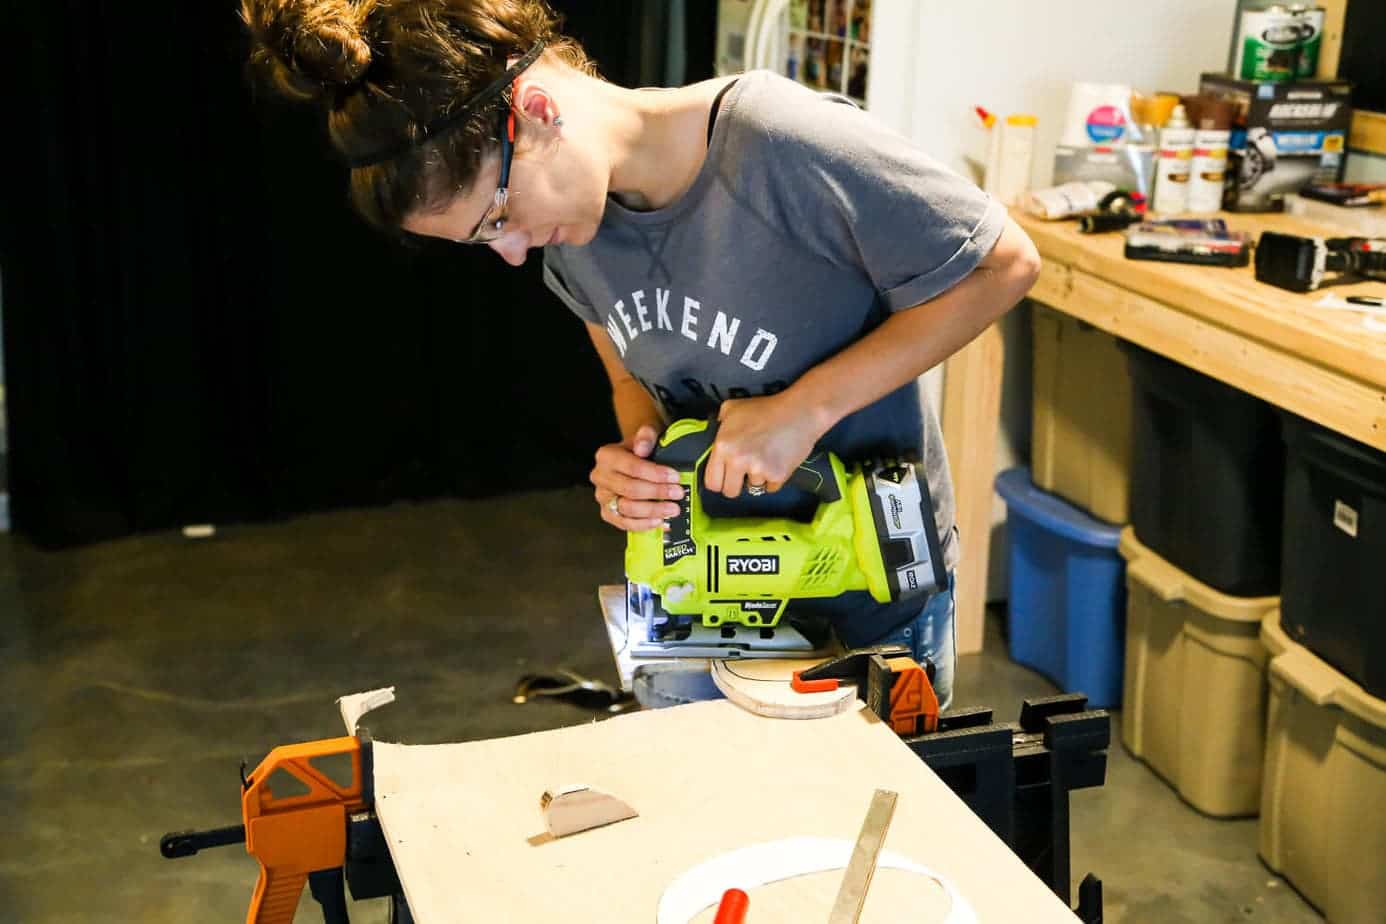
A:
[(746, 248)]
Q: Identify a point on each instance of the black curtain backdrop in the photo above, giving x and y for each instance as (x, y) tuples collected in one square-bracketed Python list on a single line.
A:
[(198, 329)]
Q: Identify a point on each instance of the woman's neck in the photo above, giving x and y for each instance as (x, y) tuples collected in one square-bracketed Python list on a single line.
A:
[(656, 141)]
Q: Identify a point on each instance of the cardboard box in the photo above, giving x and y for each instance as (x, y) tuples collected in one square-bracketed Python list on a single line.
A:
[(1286, 136)]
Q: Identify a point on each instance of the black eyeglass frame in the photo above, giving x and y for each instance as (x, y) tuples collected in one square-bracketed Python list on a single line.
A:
[(492, 223)]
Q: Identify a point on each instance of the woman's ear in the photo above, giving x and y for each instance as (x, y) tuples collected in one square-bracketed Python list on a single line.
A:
[(533, 101)]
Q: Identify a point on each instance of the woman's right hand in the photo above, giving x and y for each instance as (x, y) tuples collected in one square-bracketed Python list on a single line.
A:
[(634, 493)]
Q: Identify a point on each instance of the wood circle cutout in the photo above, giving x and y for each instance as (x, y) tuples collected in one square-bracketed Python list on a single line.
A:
[(795, 880), (761, 686)]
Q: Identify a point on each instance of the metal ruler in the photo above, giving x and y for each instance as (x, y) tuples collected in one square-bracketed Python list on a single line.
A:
[(860, 868)]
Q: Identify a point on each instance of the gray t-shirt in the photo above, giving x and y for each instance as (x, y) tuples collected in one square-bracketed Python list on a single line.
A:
[(808, 224)]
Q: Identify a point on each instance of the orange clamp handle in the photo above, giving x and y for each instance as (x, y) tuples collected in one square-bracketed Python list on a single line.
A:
[(913, 702), (302, 828), (812, 686)]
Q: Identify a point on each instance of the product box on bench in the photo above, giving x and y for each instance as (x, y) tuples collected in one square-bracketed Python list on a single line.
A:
[(1286, 136)]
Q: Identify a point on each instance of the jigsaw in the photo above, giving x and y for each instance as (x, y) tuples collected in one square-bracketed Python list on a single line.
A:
[(723, 587)]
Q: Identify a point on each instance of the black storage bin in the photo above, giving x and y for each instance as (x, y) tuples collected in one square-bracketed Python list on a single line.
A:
[(1207, 476), (1334, 591)]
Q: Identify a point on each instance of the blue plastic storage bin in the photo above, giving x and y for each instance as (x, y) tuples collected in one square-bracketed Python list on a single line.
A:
[(1067, 591)]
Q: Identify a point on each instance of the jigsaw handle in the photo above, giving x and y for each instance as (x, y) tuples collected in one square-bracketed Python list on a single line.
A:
[(686, 443), (816, 475)]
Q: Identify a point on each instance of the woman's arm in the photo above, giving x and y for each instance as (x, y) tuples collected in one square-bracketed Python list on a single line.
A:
[(643, 491), (761, 440), (634, 406)]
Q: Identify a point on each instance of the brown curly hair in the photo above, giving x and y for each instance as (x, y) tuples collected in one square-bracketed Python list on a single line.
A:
[(383, 69)]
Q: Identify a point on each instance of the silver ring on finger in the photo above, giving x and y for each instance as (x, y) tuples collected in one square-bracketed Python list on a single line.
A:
[(755, 490), (614, 505)]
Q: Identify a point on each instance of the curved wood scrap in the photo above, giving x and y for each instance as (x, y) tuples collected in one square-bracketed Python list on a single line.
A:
[(570, 809), (762, 686)]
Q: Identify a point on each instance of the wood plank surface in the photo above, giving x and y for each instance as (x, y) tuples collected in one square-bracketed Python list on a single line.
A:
[(1325, 365), (464, 827)]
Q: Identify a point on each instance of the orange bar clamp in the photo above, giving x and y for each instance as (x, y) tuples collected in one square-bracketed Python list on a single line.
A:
[(300, 829)]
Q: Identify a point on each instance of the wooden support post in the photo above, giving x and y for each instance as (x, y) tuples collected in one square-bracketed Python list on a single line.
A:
[(971, 420), (1331, 43)]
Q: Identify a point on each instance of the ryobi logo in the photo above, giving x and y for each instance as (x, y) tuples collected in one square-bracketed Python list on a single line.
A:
[(753, 564)]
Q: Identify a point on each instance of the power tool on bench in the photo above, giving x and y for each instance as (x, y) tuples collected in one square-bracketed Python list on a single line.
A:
[(719, 587), (1303, 264)]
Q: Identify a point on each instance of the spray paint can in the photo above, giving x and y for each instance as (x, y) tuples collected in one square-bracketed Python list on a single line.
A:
[(1212, 119), (1279, 42), (1174, 164)]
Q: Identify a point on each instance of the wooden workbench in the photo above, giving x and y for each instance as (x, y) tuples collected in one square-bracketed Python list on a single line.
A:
[(465, 832), (1324, 365), (1327, 366)]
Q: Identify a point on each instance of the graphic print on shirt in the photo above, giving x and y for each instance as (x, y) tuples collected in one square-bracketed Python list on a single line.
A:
[(723, 332), (661, 312)]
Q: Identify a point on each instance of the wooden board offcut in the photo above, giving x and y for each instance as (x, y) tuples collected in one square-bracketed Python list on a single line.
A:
[(1368, 132), (762, 686), (971, 423), (463, 826)]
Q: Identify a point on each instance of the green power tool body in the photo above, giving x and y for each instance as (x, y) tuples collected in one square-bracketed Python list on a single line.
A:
[(720, 586)]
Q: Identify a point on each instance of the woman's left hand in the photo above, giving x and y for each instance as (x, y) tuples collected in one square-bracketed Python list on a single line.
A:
[(760, 441)]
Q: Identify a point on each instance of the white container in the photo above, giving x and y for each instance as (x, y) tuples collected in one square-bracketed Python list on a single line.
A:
[(1174, 165), (1098, 114), (1014, 158)]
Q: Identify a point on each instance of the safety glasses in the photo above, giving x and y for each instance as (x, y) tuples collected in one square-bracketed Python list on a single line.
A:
[(492, 224)]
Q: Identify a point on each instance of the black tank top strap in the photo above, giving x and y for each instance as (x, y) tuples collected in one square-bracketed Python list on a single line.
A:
[(716, 105)]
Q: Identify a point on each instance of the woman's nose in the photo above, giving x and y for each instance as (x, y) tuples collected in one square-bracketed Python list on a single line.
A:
[(511, 247)]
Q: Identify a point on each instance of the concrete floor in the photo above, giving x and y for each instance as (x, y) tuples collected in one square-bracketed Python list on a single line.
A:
[(135, 676)]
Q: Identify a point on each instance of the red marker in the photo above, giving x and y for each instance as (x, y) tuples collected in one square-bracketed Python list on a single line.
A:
[(733, 907)]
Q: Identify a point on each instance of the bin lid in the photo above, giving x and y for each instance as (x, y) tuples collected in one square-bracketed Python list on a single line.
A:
[(1054, 513), (1319, 682), (1170, 583), (1342, 455)]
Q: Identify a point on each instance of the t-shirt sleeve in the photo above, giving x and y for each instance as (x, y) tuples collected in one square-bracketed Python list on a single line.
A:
[(859, 194), (557, 278)]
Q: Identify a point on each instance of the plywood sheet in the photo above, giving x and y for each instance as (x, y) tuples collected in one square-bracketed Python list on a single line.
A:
[(464, 828)]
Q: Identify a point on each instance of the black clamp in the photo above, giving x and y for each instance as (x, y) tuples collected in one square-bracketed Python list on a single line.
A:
[(1017, 778)]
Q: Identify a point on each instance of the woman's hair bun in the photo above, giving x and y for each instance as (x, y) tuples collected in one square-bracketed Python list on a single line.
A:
[(313, 48)]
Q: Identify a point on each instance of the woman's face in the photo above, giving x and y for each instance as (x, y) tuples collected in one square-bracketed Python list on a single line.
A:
[(556, 195)]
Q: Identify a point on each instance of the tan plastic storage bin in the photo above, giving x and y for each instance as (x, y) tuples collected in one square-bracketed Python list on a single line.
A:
[(1195, 686), (1081, 446), (1323, 806)]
